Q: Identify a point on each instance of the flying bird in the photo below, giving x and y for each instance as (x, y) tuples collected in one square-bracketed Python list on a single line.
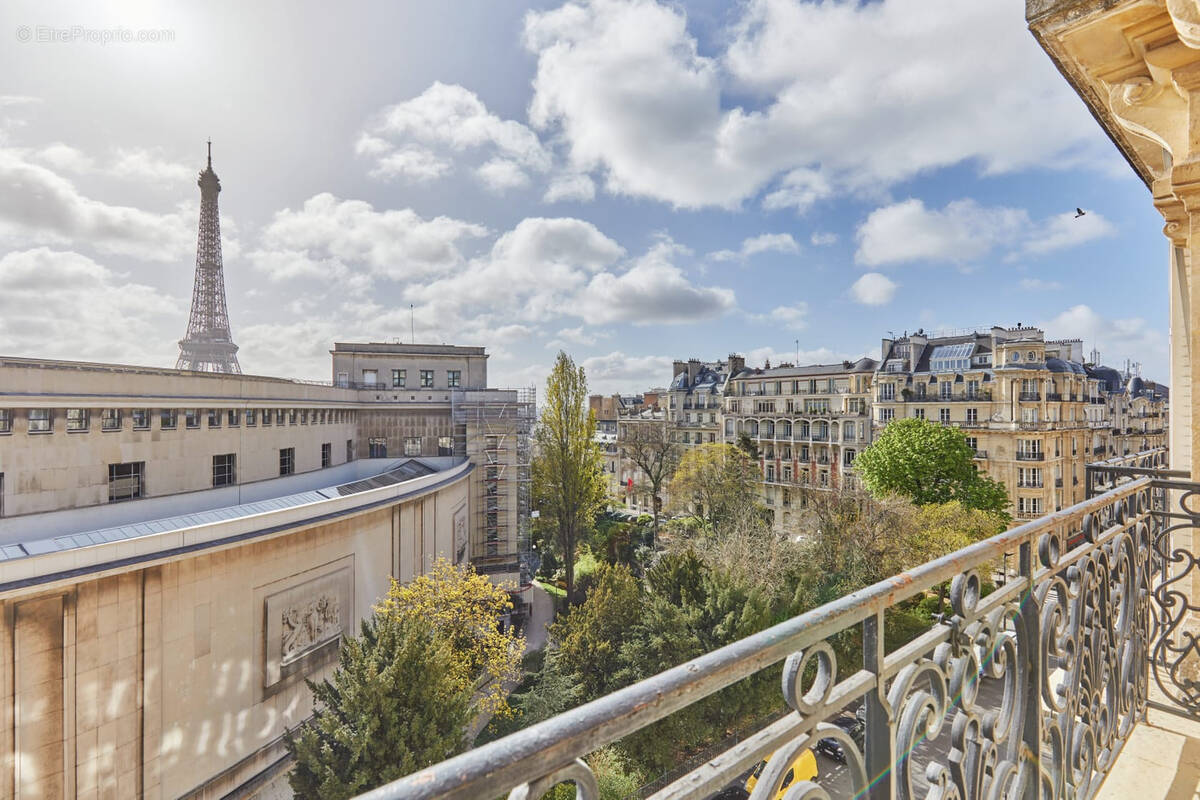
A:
[(1079, 212)]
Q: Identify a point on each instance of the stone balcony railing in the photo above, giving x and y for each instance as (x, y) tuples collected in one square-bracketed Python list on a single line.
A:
[(1031, 690)]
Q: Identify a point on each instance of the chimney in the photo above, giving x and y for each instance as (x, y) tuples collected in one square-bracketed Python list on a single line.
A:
[(693, 369), (736, 363), (676, 368)]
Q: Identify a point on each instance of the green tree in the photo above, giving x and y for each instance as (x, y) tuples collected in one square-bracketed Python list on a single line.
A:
[(391, 708), (464, 609), (568, 476), (928, 463), (748, 446), (648, 445), (718, 482), (590, 635)]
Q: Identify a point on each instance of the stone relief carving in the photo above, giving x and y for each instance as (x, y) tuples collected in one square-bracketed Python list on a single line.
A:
[(309, 626), (304, 619), (460, 535)]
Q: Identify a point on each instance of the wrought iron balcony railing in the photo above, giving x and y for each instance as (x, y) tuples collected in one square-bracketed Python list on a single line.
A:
[(1030, 690)]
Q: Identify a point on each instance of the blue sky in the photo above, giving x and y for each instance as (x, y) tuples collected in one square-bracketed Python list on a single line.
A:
[(632, 181)]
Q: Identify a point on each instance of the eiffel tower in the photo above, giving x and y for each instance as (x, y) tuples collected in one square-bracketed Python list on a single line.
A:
[(208, 346)]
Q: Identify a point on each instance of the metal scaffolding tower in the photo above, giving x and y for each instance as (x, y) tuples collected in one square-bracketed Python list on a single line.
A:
[(208, 346), (492, 428)]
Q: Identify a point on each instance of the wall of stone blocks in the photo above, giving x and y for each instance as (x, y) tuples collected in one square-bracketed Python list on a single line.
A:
[(151, 682)]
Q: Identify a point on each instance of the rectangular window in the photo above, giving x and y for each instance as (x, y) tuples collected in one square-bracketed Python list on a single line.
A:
[(445, 446), (234, 417), (326, 455), (399, 378), (886, 414), (426, 379), (251, 417), (168, 419), (77, 419), (40, 420), (453, 378), (304, 416), (214, 418), (887, 391), (370, 376), (945, 389), (349, 450), (412, 446), (110, 419), (266, 417), (225, 469), (291, 416), (919, 413), (5, 420), (972, 389), (126, 481), (972, 415), (279, 413), (376, 448), (287, 460), (973, 442), (943, 415), (141, 418), (192, 417)]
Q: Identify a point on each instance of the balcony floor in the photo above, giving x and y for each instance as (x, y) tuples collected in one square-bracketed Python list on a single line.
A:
[(1161, 760)]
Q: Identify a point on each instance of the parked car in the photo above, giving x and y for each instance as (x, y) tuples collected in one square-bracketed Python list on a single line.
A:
[(854, 726), (804, 768)]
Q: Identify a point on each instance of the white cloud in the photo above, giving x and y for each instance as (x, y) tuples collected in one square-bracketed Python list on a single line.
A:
[(1039, 285), (61, 304), (799, 189), (960, 233), (149, 166), (576, 336), (763, 243), (412, 163), (853, 96), (617, 372), (652, 291), (874, 289), (823, 239), (39, 206), (501, 174), (965, 231), (793, 317), (1066, 230), (570, 186), (1117, 339), (413, 138), (328, 236)]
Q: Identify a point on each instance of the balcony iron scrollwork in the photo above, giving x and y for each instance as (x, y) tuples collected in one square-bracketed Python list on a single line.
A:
[(1030, 690)]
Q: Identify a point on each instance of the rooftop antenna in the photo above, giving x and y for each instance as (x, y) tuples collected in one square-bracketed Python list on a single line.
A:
[(210, 154), (412, 323), (797, 353)]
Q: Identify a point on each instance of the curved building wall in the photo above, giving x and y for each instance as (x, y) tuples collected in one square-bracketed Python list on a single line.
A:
[(170, 665)]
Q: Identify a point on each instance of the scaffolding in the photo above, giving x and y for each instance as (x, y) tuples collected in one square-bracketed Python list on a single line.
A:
[(492, 429)]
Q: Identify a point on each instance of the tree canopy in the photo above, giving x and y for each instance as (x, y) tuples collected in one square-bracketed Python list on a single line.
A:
[(649, 446), (568, 475), (392, 707), (716, 482), (928, 463), (463, 608)]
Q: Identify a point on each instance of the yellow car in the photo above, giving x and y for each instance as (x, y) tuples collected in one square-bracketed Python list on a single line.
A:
[(804, 768)]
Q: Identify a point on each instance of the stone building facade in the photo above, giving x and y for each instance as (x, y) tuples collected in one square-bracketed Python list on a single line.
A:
[(179, 550), (807, 423)]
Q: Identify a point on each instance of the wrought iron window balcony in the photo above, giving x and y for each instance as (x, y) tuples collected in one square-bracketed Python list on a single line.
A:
[(1031, 690), (1031, 396), (1034, 456), (1054, 396), (983, 454), (1030, 484)]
